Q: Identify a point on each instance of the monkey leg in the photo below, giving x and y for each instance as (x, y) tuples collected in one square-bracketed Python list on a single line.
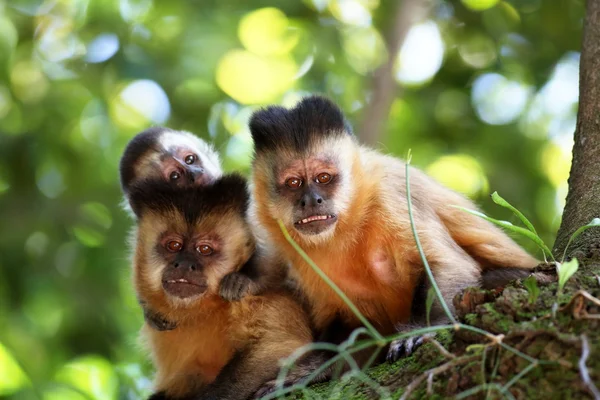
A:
[(453, 270)]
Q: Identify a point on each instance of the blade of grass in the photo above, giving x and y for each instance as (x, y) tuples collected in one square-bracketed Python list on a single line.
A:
[(331, 284), (517, 229), (593, 223), (420, 248), (501, 202)]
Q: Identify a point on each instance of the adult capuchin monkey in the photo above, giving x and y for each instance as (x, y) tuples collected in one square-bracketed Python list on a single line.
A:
[(345, 205), (187, 241)]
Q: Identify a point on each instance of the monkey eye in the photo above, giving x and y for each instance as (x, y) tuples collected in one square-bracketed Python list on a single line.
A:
[(174, 246), (323, 178), (204, 249), (174, 175), (190, 159), (293, 183)]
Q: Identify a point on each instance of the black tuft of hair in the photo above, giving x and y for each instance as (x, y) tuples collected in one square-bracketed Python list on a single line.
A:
[(228, 193), (313, 118), (135, 149)]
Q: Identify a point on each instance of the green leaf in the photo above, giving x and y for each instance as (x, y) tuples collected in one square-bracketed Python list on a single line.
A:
[(517, 229), (429, 303), (566, 271), (593, 223), (501, 202), (532, 288)]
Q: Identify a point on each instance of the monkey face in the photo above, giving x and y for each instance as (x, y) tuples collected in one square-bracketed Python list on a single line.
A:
[(177, 157), (188, 239), (310, 191)]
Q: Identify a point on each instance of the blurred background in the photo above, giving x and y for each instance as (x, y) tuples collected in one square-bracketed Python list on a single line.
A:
[(484, 92)]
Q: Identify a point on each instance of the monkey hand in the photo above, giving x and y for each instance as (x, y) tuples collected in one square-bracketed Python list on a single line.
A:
[(235, 286)]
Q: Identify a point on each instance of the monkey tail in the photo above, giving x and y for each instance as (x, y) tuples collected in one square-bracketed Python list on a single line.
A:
[(491, 247)]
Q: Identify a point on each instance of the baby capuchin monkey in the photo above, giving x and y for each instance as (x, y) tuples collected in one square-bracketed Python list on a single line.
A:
[(177, 157), (188, 240), (345, 205)]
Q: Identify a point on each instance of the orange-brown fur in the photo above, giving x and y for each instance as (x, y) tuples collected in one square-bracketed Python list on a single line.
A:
[(372, 255), (209, 329)]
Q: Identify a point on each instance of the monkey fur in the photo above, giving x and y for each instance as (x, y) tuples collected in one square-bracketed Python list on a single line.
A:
[(187, 241), (345, 205), (178, 157), (183, 160)]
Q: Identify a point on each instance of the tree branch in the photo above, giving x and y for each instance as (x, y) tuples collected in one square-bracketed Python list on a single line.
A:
[(383, 85)]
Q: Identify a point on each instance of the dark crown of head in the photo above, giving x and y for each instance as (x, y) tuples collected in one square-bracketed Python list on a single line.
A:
[(135, 149), (313, 118), (229, 193)]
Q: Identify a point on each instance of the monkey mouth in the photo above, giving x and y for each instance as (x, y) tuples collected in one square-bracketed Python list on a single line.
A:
[(183, 288), (316, 218)]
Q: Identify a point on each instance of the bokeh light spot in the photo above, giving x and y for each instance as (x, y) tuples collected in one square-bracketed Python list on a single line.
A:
[(252, 79), (460, 172), (36, 244), (364, 48), (267, 31), (498, 100), (140, 103), (555, 161), (12, 377), (93, 375), (451, 107), (102, 47), (479, 5), (416, 66), (50, 181), (28, 82), (351, 12), (478, 51)]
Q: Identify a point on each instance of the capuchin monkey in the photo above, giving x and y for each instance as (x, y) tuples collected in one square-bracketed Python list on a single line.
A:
[(181, 159), (187, 241), (177, 157), (345, 205)]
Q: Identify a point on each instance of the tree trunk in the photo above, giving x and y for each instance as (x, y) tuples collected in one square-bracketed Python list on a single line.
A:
[(583, 199), (384, 87)]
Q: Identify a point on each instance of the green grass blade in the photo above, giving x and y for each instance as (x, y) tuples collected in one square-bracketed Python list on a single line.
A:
[(593, 223), (513, 228), (420, 248), (331, 284), (501, 202), (566, 271)]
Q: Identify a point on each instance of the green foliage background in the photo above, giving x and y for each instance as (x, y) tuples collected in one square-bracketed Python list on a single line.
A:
[(79, 78)]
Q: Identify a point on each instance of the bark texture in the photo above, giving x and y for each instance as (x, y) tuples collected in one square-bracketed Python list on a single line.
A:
[(583, 199)]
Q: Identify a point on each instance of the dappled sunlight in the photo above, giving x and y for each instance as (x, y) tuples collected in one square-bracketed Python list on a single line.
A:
[(140, 103), (102, 47), (29, 83), (13, 378), (477, 50), (254, 79), (93, 375), (267, 31), (353, 12), (555, 161), (460, 172), (421, 55), (364, 48), (498, 100)]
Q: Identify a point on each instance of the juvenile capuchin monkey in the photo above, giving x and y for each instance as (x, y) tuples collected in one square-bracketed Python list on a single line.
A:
[(177, 157), (187, 241), (345, 205)]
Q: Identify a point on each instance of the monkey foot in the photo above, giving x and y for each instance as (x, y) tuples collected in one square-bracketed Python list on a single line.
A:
[(404, 347)]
